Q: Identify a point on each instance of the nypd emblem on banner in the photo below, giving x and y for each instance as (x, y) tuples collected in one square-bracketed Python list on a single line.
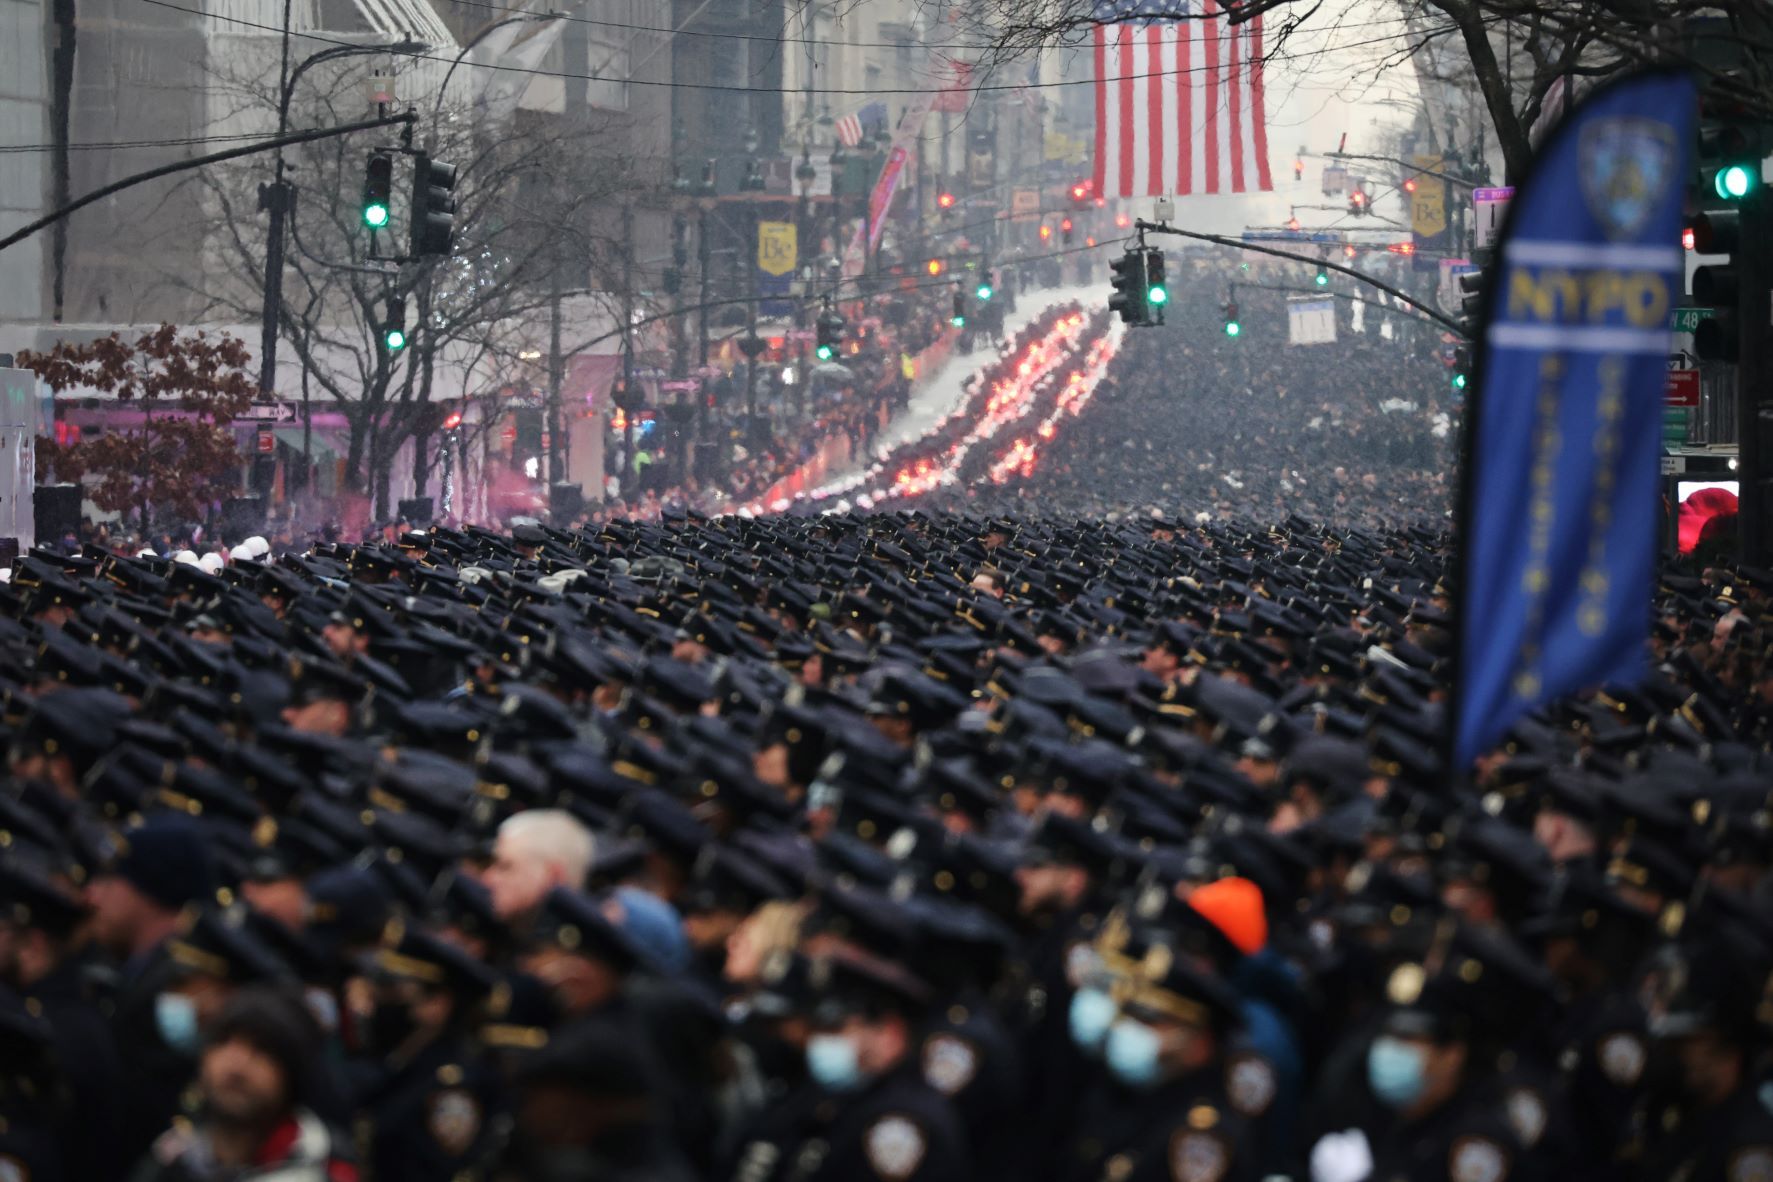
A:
[(1559, 497)]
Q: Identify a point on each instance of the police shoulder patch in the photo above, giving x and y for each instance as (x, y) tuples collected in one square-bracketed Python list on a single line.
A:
[(13, 1170), (1526, 1115), (1754, 1164), (1622, 1059), (895, 1147), (1250, 1084), (1477, 1159), (949, 1063), (452, 1117), (1197, 1156)]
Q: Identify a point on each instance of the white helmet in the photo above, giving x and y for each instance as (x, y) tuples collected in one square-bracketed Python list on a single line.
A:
[(241, 553), (256, 546), (212, 563), (146, 552), (189, 556)]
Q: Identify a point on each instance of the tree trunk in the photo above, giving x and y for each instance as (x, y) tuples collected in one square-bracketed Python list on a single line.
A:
[(353, 480), (1517, 151)]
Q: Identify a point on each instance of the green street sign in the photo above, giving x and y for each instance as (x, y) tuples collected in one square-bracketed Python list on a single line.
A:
[(1687, 319)]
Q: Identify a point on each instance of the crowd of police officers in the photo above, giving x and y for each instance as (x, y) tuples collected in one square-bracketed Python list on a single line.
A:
[(919, 847)]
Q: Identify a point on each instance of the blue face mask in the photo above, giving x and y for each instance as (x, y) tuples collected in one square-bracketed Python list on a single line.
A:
[(1396, 1071), (831, 1061), (1131, 1051), (1092, 1013), (175, 1016)]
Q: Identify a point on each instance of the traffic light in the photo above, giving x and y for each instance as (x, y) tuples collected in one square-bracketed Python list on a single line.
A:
[(673, 280), (1322, 279), (1080, 191), (1719, 285), (945, 200), (433, 206), (1233, 327), (1157, 293), (984, 291), (829, 329), (1127, 278), (1046, 232), (1461, 367), (378, 188), (394, 327), (452, 420), (1471, 296), (1729, 160), (1357, 203), (934, 267), (1409, 184), (959, 319), (1065, 231)]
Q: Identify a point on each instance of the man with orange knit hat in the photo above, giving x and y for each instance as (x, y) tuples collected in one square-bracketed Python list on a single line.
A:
[(1269, 1071)]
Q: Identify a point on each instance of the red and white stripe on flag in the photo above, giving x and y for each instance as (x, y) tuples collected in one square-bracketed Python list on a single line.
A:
[(1179, 103), (849, 131)]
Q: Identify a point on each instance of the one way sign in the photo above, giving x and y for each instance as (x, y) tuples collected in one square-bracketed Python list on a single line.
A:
[(268, 412)]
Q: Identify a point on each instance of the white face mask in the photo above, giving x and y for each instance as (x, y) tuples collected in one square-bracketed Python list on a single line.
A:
[(175, 1017)]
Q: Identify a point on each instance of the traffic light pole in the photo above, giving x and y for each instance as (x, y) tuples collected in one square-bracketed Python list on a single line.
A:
[(1754, 379), (1257, 248)]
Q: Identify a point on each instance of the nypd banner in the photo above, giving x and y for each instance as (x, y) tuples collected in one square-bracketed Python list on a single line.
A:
[(1558, 505)]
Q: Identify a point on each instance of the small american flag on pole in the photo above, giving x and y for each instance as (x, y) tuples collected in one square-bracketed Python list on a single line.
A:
[(852, 127), (1179, 102)]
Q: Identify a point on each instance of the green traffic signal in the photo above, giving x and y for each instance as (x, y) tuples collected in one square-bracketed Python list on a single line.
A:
[(1157, 295), (983, 291), (958, 321), (394, 339), (375, 216), (1459, 381), (1323, 278), (1734, 182), (825, 352), (1232, 328)]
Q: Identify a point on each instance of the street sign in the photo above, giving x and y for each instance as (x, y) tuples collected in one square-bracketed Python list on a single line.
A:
[(1681, 359), (267, 441), (1024, 204), (1488, 206), (267, 412), (1447, 293), (1291, 236), (1687, 319), (1682, 389), (1674, 465)]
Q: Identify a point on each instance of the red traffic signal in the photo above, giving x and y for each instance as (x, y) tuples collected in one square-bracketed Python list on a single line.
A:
[(1080, 190), (1409, 184), (945, 200), (1687, 238), (1065, 226), (452, 420), (934, 266), (1402, 248)]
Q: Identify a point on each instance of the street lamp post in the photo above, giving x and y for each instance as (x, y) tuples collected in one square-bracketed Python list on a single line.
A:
[(277, 198), (476, 39)]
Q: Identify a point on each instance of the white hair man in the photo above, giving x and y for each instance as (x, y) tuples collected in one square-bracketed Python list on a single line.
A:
[(536, 851)]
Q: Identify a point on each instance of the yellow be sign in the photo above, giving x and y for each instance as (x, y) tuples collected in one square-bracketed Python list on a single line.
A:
[(778, 247), (1428, 205)]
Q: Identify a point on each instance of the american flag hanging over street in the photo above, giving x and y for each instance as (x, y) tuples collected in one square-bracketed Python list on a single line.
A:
[(1179, 103)]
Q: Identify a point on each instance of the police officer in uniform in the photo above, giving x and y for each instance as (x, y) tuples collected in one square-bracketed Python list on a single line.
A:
[(38, 921), (867, 1111), (1705, 1117), (429, 1107), (1159, 1111), (1432, 1071)]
